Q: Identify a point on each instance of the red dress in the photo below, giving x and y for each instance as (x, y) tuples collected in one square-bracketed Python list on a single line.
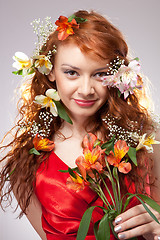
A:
[(63, 208)]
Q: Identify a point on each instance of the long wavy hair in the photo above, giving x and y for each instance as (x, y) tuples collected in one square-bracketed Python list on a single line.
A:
[(98, 38)]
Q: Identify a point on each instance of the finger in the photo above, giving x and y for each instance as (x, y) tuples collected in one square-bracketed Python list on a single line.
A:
[(139, 209), (135, 232), (133, 222)]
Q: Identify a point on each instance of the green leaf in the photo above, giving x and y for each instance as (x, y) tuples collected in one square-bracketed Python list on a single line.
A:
[(132, 155), (95, 228), (127, 201), (30, 71), (150, 202), (112, 228), (147, 200), (84, 224), (148, 210), (71, 18), (62, 112), (137, 59), (104, 229), (78, 19), (109, 145), (34, 151), (19, 72), (63, 171)]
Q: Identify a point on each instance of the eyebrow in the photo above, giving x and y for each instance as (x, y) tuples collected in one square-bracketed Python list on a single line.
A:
[(99, 69)]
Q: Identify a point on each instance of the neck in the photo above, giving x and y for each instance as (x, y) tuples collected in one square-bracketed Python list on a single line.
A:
[(77, 129)]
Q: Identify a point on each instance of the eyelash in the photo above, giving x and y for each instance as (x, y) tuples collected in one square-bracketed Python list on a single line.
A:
[(73, 73), (101, 73)]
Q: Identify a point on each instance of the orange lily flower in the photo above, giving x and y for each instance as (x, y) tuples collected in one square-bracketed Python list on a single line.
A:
[(75, 184), (120, 150), (91, 160), (65, 28), (43, 144)]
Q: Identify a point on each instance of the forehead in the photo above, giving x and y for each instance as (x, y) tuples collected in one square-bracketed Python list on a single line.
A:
[(72, 54)]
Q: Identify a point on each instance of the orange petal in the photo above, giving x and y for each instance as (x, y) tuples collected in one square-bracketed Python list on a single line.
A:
[(75, 184), (89, 140), (98, 167), (120, 149), (61, 20), (112, 159), (81, 168), (62, 35), (124, 167)]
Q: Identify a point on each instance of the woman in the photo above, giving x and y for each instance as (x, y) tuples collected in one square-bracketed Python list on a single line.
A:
[(75, 60)]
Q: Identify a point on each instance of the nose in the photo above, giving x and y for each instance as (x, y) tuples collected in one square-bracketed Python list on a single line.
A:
[(86, 86)]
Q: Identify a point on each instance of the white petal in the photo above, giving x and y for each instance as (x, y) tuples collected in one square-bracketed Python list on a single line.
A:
[(52, 93), (40, 99), (21, 56), (43, 70), (17, 65), (53, 110), (134, 65)]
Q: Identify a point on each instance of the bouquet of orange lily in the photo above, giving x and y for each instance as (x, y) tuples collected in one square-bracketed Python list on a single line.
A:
[(101, 161)]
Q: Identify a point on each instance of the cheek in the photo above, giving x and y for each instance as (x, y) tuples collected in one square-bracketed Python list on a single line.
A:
[(104, 93)]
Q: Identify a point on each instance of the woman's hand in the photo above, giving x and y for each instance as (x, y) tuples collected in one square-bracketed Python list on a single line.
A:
[(137, 222)]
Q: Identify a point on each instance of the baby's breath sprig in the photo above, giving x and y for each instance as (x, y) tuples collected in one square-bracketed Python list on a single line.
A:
[(130, 135), (42, 29), (42, 127)]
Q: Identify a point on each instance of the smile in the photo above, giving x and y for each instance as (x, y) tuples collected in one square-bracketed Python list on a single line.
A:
[(85, 103)]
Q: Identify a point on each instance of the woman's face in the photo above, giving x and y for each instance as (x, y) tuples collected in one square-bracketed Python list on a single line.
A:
[(78, 81)]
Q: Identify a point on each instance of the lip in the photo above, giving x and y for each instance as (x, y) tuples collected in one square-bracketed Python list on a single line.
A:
[(85, 103)]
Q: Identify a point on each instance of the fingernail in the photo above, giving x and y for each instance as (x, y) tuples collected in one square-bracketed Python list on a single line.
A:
[(117, 229), (118, 220), (121, 236)]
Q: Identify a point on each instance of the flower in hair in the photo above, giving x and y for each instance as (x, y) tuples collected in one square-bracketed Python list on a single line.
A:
[(22, 63), (27, 66), (49, 100), (124, 78), (43, 64), (41, 144), (147, 141), (65, 28)]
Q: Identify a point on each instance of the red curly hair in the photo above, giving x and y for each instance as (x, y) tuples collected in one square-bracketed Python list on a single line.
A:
[(98, 38)]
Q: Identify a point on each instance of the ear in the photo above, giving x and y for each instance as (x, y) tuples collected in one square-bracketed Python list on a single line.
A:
[(51, 76)]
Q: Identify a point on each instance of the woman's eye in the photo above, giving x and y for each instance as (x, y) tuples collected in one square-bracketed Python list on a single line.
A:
[(71, 73), (101, 74)]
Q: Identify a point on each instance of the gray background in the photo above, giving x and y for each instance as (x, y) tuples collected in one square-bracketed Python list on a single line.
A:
[(139, 21)]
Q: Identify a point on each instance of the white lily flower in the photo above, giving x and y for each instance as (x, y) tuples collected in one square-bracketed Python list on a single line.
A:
[(125, 79), (147, 142), (47, 101), (43, 64), (22, 62)]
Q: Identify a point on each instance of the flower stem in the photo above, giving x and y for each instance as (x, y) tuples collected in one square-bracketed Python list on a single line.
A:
[(113, 187), (108, 190)]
